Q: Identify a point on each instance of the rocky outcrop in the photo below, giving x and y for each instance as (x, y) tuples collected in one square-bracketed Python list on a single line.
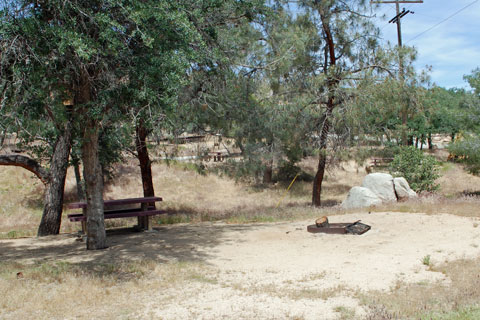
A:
[(378, 188)]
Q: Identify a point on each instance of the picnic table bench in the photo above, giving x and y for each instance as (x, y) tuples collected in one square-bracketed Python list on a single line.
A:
[(143, 213), (377, 163), (217, 156), (380, 162)]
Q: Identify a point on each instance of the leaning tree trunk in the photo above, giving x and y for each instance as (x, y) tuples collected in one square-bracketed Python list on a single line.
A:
[(144, 159), (53, 180), (53, 199), (92, 174), (145, 168)]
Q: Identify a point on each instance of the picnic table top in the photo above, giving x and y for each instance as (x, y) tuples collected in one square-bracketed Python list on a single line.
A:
[(108, 203)]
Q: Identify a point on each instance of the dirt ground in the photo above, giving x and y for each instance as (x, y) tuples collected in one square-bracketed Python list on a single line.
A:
[(269, 271)]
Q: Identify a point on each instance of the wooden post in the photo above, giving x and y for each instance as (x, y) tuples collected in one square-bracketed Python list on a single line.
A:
[(397, 19)]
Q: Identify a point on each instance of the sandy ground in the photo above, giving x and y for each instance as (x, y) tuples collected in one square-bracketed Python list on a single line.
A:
[(275, 271)]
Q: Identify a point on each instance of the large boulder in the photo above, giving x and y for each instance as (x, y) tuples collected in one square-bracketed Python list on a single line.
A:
[(360, 197), (402, 189), (380, 184)]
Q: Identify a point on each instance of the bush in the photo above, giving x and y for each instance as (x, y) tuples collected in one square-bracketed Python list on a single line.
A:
[(420, 170), (467, 151), (287, 171)]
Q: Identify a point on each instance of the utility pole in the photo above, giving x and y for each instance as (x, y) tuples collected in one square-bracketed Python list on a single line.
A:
[(397, 19)]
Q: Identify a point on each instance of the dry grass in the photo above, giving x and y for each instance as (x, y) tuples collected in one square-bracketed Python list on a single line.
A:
[(455, 181), (346, 313), (119, 289), (465, 206), (292, 292), (113, 290), (457, 300), (59, 290), (190, 196), (21, 202)]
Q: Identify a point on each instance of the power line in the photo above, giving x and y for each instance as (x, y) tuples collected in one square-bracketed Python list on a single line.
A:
[(384, 14), (447, 18)]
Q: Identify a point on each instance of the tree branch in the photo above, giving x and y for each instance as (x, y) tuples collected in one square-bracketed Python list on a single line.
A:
[(27, 163), (373, 66)]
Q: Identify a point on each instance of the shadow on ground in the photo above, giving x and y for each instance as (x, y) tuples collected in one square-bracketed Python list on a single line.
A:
[(179, 243)]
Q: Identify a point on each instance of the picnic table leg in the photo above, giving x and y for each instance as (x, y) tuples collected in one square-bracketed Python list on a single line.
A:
[(144, 221), (141, 223), (148, 225)]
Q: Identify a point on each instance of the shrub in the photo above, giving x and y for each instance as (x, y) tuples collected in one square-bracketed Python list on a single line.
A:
[(287, 171), (420, 170), (467, 151)]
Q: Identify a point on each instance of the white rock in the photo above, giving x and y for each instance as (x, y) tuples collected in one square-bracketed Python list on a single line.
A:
[(381, 184), (402, 189), (359, 197)]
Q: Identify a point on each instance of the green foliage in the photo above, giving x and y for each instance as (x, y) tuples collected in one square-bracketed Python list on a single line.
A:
[(467, 150), (287, 171), (474, 81), (463, 313), (419, 170), (380, 108), (426, 260), (449, 114)]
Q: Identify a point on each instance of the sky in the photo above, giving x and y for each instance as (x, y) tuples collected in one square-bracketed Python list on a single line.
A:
[(452, 48)]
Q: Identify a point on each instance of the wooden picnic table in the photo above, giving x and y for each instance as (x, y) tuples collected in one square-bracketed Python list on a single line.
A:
[(143, 213)]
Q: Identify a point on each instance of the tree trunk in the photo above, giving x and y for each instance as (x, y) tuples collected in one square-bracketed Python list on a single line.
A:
[(144, 159), (78, 179), (145, 167), (53, 199), (92, 174), (2, 137), (317, 182), (429, 140), (268, 173), (322, 158), (409, 141), (332, 84)]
